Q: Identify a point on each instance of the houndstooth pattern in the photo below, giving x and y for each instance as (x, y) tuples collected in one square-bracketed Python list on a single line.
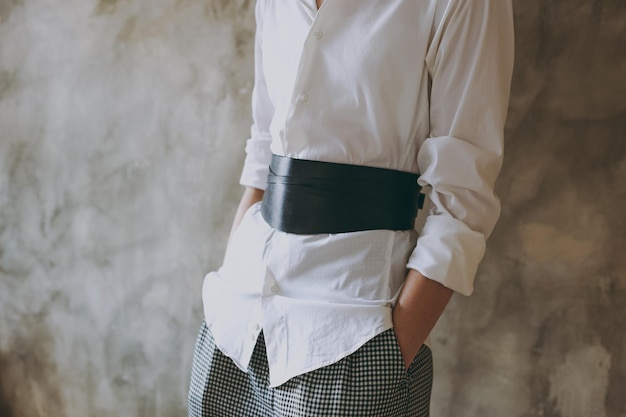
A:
[(370, 382)]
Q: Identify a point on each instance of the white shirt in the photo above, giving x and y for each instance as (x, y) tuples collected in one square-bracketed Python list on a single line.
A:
[(412, 85)]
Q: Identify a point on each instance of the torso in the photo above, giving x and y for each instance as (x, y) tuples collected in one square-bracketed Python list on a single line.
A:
[(319, 3)]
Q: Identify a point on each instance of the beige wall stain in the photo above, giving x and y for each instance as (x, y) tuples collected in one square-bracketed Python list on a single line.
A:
[(7, 6), (8, 79), (140, 28), (545, 243), (579, 385), (106, 6), (126, 34), (219, 9), (29, 356)]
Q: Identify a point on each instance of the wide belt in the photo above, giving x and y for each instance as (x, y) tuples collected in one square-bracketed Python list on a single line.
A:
[(311, 197)]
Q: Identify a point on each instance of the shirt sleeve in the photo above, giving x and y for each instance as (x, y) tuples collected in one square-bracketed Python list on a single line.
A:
[(258, 154), (470, 62)]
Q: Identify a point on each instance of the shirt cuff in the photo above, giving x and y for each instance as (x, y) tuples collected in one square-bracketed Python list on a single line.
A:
[(448, 252), (257, 162)]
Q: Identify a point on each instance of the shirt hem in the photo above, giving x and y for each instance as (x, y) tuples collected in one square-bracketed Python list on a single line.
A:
[(274, 383)]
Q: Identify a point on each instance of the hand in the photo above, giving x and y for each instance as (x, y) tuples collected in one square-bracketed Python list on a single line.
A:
[(418, 308), (408, 340)]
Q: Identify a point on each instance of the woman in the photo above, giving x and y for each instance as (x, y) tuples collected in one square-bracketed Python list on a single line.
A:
[(327, 293)]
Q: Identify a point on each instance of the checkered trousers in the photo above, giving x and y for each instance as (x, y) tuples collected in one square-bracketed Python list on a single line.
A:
[(372, 382)]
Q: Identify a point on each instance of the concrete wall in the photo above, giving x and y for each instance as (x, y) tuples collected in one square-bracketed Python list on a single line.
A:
[(122, 125)]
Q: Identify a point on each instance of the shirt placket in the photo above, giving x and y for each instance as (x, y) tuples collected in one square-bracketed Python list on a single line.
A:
[(268, 289), (268, 307), (274, 327), (301, 92)]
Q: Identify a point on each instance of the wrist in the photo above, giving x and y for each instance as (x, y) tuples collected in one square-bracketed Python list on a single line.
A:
[(420, 304)]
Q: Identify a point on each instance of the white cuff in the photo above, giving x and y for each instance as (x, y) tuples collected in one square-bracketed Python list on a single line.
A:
[(448, 252), (256, 165)]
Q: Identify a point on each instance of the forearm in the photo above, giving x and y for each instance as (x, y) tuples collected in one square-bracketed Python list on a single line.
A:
[(419, 305)]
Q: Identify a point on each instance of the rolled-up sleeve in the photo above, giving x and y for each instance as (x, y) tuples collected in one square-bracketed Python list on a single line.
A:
[(470, 62), (258, 154)]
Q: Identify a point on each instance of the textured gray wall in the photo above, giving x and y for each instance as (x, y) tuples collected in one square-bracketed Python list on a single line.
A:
[(122, 125)]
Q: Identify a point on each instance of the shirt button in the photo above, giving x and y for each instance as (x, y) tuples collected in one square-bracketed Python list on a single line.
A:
[(274, 289), (318, 35), (257, 327), (303, 98)]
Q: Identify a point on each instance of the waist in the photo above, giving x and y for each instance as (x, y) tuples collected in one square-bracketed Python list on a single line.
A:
[(312, 197)]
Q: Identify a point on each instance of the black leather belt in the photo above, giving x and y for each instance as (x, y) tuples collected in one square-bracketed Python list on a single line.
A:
[(311, 197)]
